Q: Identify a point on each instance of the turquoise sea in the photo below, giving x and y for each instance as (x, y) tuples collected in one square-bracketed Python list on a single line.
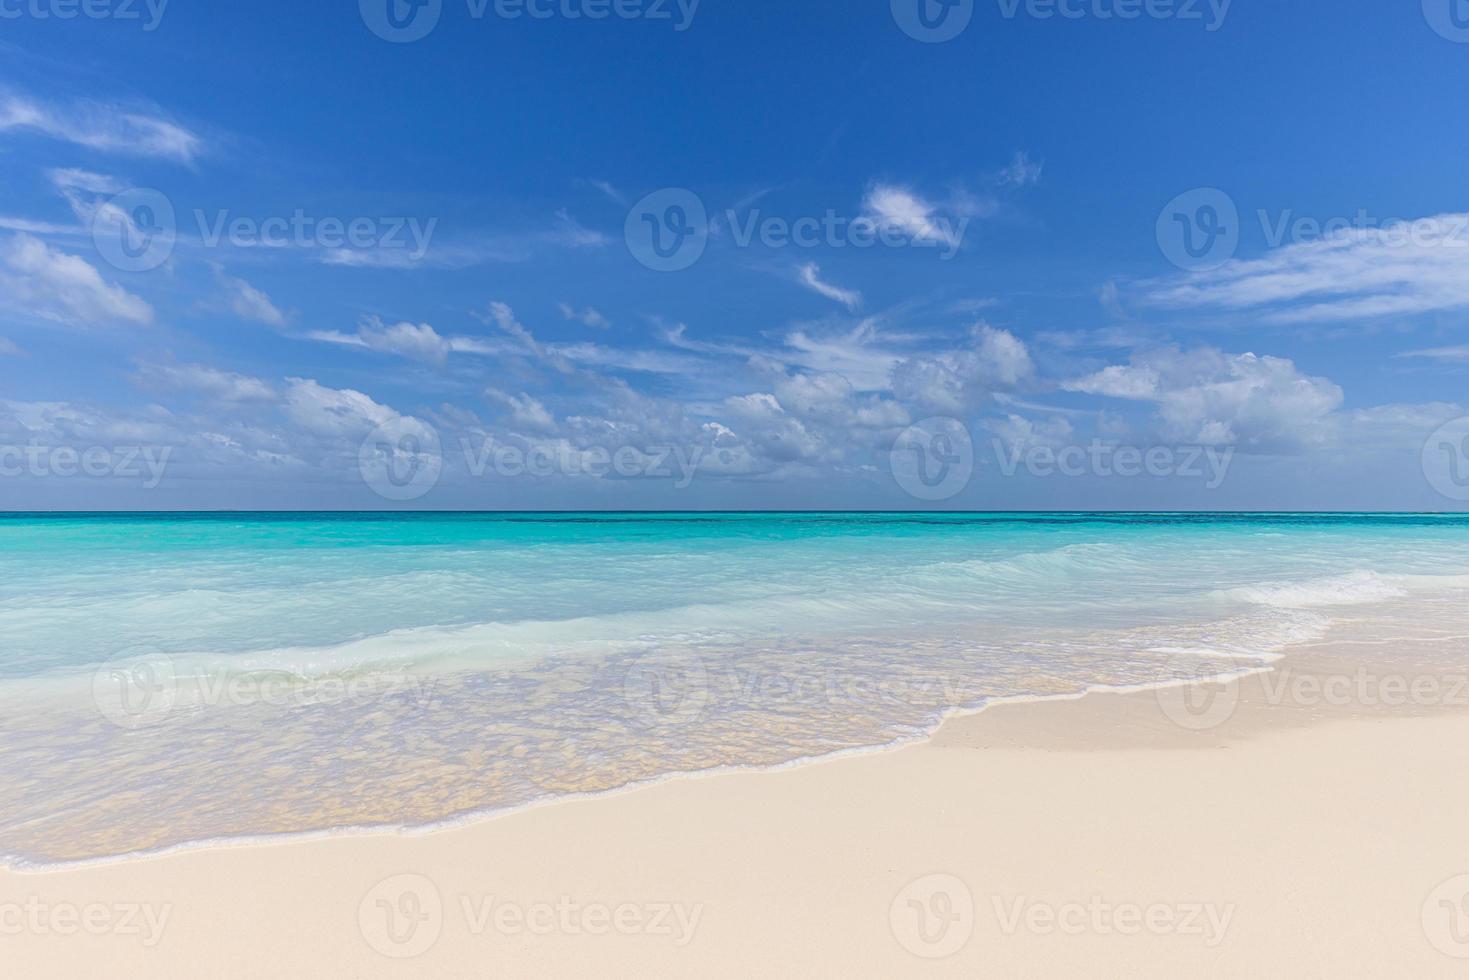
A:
[(172, 680)]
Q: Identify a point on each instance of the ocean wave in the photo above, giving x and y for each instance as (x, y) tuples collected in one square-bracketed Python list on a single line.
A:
[(1352, 588)]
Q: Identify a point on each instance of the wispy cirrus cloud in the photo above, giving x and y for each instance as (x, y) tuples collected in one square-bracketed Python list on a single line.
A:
[(1020, 171), (1350, 274), (588, 316), (225, 386), (1456, 353), (250, 303), (417, 341), (809, 275), (110, 128)]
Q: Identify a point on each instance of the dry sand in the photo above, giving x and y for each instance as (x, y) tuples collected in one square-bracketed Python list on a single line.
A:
[(1308, 834)]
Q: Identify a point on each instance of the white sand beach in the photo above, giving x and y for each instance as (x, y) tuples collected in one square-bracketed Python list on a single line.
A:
[(1317, 831)]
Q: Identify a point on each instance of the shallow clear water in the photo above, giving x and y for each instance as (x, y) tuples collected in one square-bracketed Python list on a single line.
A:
[(173, 679)]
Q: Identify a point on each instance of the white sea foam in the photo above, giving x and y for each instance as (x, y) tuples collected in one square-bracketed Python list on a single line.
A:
[(1353, 588)]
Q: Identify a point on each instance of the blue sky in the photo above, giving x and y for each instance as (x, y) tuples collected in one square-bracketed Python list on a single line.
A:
[(990, 295)]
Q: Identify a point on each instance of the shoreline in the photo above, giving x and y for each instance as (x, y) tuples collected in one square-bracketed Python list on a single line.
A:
[(466, 820), (1315, 834)]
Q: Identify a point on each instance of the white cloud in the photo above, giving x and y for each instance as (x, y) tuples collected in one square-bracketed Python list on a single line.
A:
[(251, 303), (1455, 353), (1209, 397), (1349, 274), (414, 340), (57, 286), (525, 411), (333, 412), (613, 194), (98, 126), (587, 317), (224, 386), (810, 277), (573, 234), (1020, 434), (890, 206), (1021, 171), (7, 347), (956, 381), (856, 355)]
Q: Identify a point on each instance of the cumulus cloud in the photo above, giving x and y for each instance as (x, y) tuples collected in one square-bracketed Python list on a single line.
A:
[(895, 207), (955, 381), (524, 411), (1209, 397), (53, 285), (333, 412)]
